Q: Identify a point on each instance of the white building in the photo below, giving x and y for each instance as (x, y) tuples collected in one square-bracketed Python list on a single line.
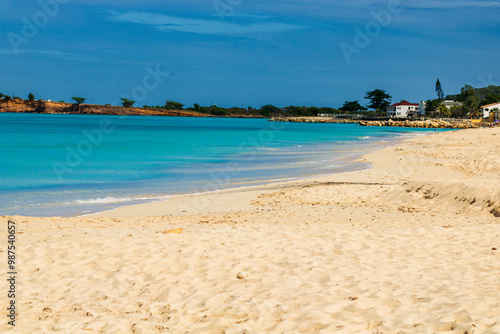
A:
[(421, 108), (403, 109), (450, 103), (490, 107), (447, 103)]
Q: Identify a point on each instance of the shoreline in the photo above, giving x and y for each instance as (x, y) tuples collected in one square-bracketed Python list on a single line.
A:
[(409, 245), (171, 201), (225, 197)]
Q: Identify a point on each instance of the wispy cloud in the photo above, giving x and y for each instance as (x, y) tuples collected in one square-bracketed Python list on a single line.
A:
[(53, 53), (445, 4), (199, 26), (405, 3)]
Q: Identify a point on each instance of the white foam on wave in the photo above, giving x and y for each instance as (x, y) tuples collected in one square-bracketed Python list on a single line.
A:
[(266, 148), (107, 200)]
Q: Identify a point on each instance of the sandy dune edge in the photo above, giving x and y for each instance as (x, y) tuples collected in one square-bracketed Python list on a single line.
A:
[(409, 246)]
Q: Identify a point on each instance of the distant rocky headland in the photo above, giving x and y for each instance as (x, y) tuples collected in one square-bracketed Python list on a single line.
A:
[(49, 107)]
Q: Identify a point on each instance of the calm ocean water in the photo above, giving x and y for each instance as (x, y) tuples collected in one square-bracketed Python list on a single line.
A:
[(72, 165)]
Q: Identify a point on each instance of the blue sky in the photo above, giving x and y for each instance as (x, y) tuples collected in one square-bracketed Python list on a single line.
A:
[(246, 52)]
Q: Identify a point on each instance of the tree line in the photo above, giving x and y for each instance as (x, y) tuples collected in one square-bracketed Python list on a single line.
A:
[(379, 99), (471, 100), (31, 98)]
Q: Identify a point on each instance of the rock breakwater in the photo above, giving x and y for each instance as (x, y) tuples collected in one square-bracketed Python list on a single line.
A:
[(313, 120), (430, 124)]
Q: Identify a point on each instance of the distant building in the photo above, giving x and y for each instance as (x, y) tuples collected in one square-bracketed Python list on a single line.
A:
[(403, 109), (489, 108), (447, 103), (421, 108), (450, 103)]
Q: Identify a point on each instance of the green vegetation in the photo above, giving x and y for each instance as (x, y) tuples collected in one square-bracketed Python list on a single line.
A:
[(294, 111), (439, 90), (466, 92), (443, 111), (352, 106), (79, 100), (127, 103), (472, 99), (31, 97), (431, 106), (268, 110), (490, 98), (481, 93), (457, 112), (379, 100), (172, 105)]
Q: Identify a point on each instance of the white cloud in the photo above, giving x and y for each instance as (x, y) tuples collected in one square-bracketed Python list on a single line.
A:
[(199, 26)]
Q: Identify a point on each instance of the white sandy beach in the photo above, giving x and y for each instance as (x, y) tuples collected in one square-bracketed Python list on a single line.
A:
[(407, 246)]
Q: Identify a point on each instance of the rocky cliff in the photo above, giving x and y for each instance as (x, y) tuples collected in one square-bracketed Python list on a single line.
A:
[(48, 107)]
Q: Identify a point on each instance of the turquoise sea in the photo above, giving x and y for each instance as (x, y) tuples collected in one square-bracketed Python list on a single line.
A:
[(69, 165)]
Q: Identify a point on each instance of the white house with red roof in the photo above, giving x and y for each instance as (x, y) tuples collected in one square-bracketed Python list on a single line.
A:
[(489, 108), (402, 109)]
